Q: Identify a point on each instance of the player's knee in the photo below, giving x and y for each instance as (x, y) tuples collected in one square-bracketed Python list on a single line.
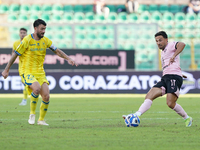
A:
[(37, 90), (46, 97), (170, 104)]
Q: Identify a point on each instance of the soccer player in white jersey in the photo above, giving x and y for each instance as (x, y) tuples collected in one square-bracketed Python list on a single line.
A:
[(171, 80)]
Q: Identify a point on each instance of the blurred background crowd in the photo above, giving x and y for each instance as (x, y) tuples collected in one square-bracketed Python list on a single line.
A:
[(109, 25)]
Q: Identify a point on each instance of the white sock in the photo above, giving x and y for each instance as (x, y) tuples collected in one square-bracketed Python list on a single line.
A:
[(186, 117), (144, 107), (179, 110), (138, 113)]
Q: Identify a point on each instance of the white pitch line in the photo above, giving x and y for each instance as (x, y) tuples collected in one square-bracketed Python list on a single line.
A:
[(95, 95), (160, 112), (67, 119), (123, 112)]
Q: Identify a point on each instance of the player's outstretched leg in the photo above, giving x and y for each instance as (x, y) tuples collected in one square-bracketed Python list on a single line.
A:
[(143, 108), (146, 105)]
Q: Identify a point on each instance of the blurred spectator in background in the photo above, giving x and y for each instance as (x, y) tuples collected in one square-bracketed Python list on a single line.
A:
[(22, 34), (100, 8), (131, 6), (194, 6)]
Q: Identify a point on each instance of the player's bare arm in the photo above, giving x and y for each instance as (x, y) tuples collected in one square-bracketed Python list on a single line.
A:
[(60, 53), (5, 73), (180, 46)]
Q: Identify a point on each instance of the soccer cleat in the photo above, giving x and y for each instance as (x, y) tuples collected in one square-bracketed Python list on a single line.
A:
[(188, 122), (23, 103), (42, 122), (124, 116), (31, 119)]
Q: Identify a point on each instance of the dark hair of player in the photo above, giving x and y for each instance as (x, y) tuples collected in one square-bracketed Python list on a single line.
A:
[(38, 22), (23, 29), (162, 33)]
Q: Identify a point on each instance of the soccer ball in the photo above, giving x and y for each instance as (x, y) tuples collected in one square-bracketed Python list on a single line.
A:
[(132, 120)]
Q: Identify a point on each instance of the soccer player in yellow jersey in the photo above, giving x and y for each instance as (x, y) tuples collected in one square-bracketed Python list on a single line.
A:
[(22, 34), (32, 50)]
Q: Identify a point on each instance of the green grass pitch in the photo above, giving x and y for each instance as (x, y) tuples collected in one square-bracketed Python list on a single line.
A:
[(89, 122)]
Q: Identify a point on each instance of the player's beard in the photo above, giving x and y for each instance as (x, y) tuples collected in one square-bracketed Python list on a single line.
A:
[(162, 47), (40, 36)]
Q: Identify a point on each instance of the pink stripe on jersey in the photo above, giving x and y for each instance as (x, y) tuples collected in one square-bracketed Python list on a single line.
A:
[(166, 54)]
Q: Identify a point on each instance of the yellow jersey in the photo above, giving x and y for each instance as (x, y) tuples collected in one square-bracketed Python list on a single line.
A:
[(32, 53), (15, 45)]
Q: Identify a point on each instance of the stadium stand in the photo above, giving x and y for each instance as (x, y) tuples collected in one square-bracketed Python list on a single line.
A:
[(66, 18)]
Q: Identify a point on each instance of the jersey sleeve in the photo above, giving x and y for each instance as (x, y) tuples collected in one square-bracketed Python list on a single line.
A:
[(16, 43), (50, 44), (176, 45), (22, 47), (173, 46), (14, 46)]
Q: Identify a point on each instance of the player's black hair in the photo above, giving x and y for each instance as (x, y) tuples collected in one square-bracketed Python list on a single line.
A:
[(162, 33), (24, 29), (38, 22)]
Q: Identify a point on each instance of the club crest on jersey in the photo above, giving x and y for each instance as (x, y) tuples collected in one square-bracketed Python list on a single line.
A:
[(38, 44)]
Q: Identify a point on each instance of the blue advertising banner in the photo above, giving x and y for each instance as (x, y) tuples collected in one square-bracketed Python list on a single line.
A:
[(101, 82)]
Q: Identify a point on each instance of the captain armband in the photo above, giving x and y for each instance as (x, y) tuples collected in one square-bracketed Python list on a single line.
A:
[(17, 53), (52, 47)]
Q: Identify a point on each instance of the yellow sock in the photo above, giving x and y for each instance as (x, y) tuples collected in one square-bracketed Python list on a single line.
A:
[(43, 110), (25, 93), (33, 104)]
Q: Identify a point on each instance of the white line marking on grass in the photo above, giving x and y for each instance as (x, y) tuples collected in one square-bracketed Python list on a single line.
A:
[(68, 119), (83, 111), (122, 112), (79, 95), (95, 95)]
